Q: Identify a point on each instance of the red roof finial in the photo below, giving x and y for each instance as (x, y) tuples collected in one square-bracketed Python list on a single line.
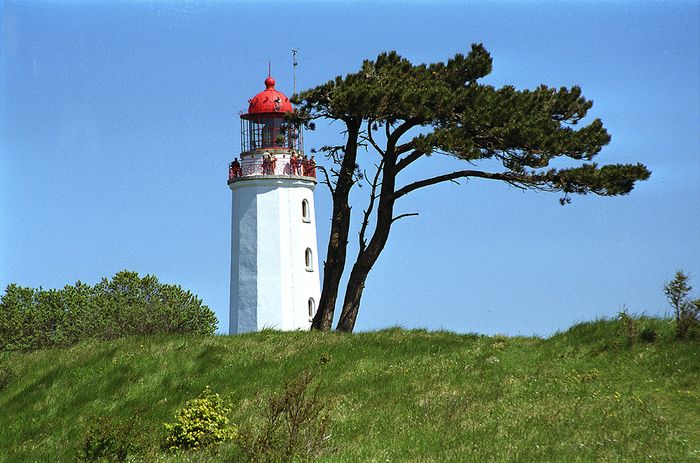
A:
[(269, 101), (269, 82)]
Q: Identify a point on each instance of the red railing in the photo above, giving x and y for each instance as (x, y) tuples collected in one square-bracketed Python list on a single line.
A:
[(274, 165)]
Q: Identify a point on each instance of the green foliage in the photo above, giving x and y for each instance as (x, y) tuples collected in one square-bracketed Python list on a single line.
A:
[(295, 425), (6, 374), (202, 422), (324, 358), (525, 130), (533, 139), (123, 306), (687, 311), (677, 290), (107, 440), (398, 395), (648, 334), (630, 327), (624, 333)]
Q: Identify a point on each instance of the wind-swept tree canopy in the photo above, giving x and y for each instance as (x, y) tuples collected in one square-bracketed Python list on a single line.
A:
[(406, 112)]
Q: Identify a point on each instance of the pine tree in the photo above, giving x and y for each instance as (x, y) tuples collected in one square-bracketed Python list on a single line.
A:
[(407, 112)]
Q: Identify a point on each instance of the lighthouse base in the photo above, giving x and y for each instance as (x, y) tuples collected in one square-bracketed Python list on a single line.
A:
[(274, 265)]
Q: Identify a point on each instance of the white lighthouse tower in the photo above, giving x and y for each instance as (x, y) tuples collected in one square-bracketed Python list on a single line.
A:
[(274, 263)]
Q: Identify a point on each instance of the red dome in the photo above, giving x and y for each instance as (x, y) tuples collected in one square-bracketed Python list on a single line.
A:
[(269, 100)]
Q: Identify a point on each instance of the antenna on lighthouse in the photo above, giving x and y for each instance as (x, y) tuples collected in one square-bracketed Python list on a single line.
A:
[(294, 67)]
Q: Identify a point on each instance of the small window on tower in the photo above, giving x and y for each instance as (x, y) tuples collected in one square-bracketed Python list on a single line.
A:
[(308, 260), (312, 308), (305, 215)]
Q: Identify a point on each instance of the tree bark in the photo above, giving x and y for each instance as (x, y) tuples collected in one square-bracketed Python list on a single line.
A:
[(367, 258), (340, 225), (356, 283)]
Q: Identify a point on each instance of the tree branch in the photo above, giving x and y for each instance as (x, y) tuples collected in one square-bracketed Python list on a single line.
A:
[(327, 181), (370, 138), (506, 177), (404, 147), (404, 162), (398, 217), (405, 126), (370, 207)]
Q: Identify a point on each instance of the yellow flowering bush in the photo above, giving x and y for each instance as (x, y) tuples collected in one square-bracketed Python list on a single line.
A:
[(202, 422)]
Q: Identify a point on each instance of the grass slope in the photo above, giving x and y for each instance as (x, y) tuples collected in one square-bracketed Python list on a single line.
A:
[(397, 395)]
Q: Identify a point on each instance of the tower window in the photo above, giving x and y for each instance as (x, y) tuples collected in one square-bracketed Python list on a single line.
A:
[(308, 259), (312, 308), (305, 215)]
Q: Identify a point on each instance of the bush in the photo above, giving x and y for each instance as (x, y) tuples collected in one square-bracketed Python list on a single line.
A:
[(630, 327), (295, 425), (6, 375), (687, 312), (648, 335), (202, 422), (126, 305), (107, 441)]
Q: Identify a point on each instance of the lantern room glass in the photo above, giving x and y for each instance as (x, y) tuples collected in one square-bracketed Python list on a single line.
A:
[(266, 131)]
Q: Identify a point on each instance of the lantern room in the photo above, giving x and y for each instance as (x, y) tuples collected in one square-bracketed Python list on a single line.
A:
[(264, 126)]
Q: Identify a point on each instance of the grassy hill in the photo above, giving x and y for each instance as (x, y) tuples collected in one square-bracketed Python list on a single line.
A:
[(395, 395)]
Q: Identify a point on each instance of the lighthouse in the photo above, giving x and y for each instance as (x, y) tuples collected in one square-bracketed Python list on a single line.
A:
[(274, 261)]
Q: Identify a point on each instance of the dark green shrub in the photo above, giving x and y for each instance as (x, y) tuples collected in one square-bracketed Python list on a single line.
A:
[(648, 335), (202, 422), (630, 327), (295, 426), (6, 375), (107, 440), (126, 305), (687, 312), (689, 322)]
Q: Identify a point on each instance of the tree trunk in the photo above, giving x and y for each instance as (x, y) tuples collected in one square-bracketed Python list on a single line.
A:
[(334, 266), (340, 225), (367, 258), (353, 291)]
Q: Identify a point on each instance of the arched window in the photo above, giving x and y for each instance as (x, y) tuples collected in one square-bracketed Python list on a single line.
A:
[(312, 308), (308, 259), (305, 214)]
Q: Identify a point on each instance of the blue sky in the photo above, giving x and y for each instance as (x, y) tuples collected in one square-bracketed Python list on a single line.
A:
[(118, 119)]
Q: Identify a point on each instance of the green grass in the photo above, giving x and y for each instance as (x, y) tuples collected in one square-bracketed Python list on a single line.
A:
[(396, 395)]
